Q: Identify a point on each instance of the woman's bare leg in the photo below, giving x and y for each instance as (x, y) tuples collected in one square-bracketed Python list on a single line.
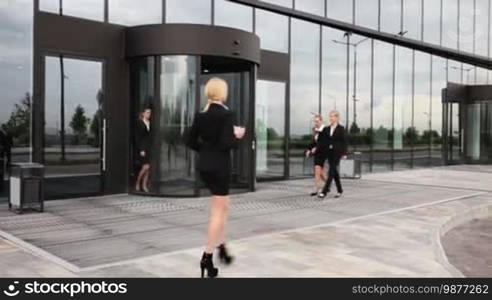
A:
[(319, 177), (140, 176), (225, 217), (216, 224)]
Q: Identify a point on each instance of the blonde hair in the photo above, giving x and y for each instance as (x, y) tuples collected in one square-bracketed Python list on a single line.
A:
[(216, 89), (318, 116)]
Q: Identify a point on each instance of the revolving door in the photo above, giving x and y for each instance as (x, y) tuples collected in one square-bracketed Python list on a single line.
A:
[(172, 86)]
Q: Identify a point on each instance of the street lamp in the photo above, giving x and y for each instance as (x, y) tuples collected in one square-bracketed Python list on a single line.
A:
[(355, 45)]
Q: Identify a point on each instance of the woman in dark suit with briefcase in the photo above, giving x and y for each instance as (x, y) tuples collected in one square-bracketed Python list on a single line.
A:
[(213, 135), (334, 140)]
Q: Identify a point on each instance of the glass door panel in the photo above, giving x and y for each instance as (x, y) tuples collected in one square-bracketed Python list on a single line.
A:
[(73, 127), (175, 162)]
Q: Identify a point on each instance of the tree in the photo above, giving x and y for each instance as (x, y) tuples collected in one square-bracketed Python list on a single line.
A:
[(18, 125), (79, 125)]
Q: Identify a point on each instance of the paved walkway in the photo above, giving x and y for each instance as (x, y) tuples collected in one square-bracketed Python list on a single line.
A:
[(386, 225)]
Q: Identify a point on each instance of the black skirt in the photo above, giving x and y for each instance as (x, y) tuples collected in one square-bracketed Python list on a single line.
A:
[(320, 159), (217, 182)]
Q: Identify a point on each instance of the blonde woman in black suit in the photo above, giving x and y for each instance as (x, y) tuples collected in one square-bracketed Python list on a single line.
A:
[(334, 140), (213, 135)]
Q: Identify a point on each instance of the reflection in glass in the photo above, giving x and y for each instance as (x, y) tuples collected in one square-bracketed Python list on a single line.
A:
[(86, 9), (439, 83), (343, 10), (233, 15), (467, 25), (286, 3), (360, 131), (422, 109), (178, 81), (412, 18), (273, 30), (450, 24), (15, 83), (432, 21), (316, 7), (270, 129), (334, 73), (405, 134), (383, 105), (189, 11), (482, 24), (52, 6), (133, 13), (390, 16), (481, 76), (72, 141), (304, 96), (366, 13)]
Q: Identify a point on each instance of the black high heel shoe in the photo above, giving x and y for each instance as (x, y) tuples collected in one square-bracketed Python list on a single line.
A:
[(207, 264), (224, 255)]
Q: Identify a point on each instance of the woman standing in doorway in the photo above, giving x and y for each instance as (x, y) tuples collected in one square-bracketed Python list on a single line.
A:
[(213, 135), (143, 137), (334, 140), (319, 155)]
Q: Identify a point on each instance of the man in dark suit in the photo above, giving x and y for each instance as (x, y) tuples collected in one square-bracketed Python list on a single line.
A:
[(334, 140)]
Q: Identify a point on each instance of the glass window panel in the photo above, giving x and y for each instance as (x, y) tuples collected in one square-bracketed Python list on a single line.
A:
[(382, 106), (15, 83), (286, 3), (366, 13), (439, 82), (450, 24), (52, 6), (273, 30), (343, 10), (391, 16), (481, 30), (304, 100), (189, 11), (316, 7), (432, 21), (469, 74), (334, 85), (467, 24), (405, 134), (233, 15), (270, 128), (412, 18), (72, 140), (422, 109), (455, 71), (133, 13), (360, 97), (87, 9)]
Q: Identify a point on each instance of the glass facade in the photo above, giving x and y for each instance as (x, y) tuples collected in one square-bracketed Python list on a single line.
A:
[(389, 97), (133, 13), (16, 32)]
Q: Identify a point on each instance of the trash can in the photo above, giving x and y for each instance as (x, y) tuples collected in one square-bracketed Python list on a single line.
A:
[(26, 187), (351, 166)]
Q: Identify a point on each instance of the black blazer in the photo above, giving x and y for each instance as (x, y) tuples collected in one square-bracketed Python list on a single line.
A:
[(335, 144), (143, 137), (212, 136)]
